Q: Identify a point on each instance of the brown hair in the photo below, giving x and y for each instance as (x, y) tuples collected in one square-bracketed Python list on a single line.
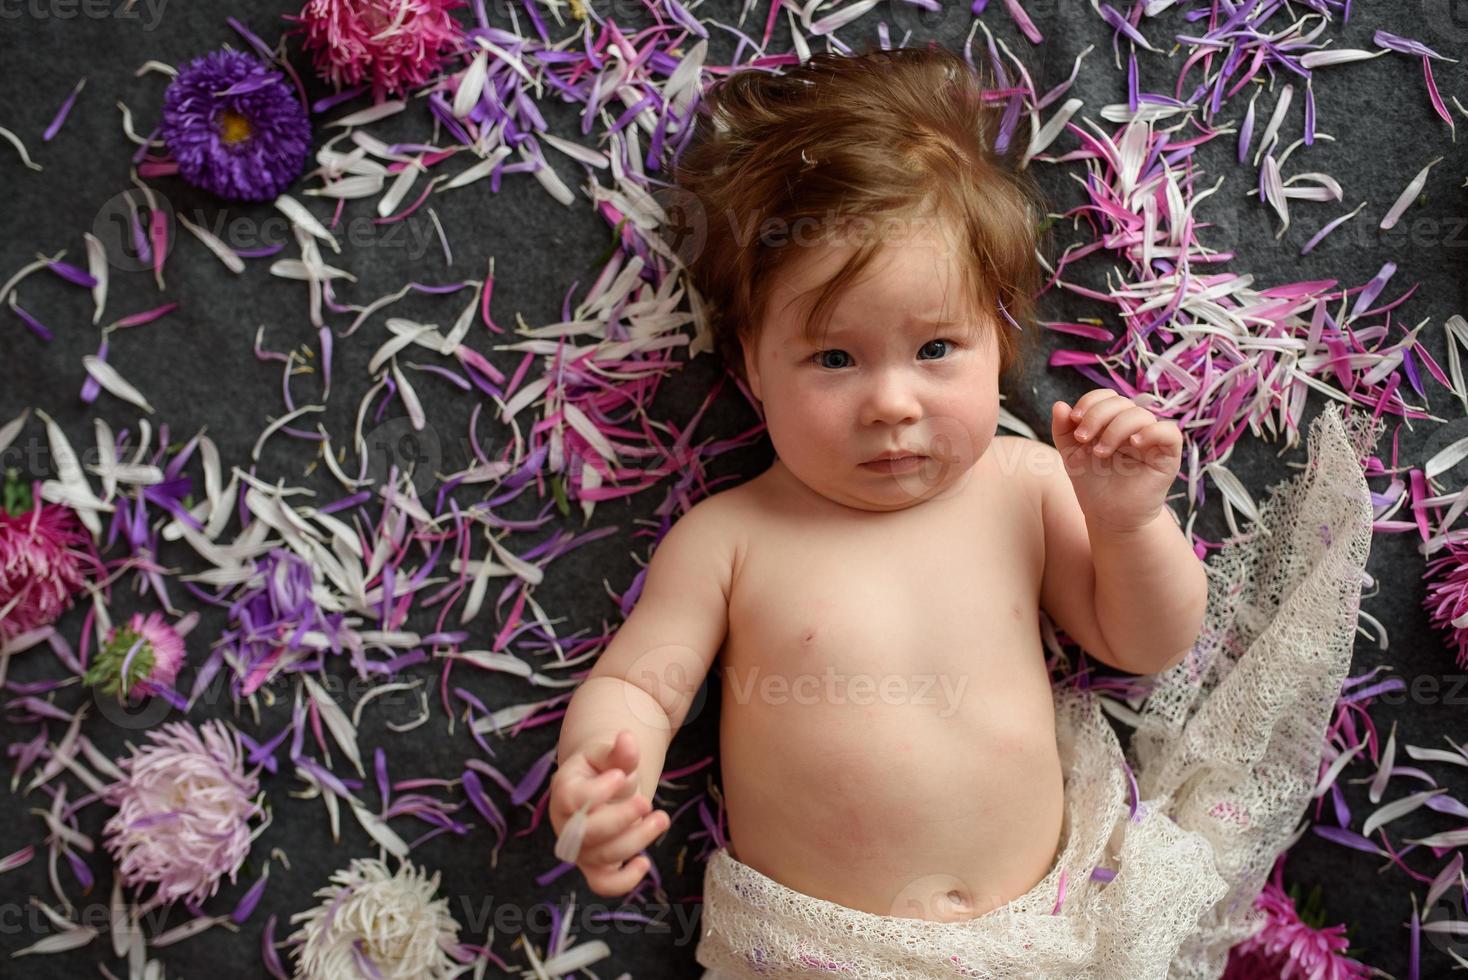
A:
[(880, 135)]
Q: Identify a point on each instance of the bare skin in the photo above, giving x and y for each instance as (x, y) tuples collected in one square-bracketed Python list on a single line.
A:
[(887, 734)]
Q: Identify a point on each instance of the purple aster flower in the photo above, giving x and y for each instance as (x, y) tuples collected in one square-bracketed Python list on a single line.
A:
[(235, 127)]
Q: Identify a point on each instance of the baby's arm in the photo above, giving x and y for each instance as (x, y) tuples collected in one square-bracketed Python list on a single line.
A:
[(645, 681), (1145, 590), (1120, 575)]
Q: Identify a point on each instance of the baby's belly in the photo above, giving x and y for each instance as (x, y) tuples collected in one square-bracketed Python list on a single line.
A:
[(937, 796)]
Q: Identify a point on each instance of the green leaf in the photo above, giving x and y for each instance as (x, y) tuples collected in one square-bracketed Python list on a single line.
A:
[(1312, 914), (616, 244), (16, 497), (558, 490)]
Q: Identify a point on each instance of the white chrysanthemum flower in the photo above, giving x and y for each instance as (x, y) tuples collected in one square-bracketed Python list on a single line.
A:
[(372, 922)]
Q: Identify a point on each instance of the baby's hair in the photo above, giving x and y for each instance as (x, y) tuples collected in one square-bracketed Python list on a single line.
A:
[(883, 136)]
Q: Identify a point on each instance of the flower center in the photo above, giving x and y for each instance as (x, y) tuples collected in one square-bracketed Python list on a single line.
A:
[(234, 127), (106, 669)]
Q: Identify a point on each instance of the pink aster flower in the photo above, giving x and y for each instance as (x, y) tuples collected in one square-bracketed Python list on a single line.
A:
[(1292, 945), (396, 44), (183, 811), (147, 652), (44, 555), (1447, 595)]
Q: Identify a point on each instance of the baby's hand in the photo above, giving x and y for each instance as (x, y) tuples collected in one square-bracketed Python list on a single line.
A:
[(599, 818), (1120, 458)]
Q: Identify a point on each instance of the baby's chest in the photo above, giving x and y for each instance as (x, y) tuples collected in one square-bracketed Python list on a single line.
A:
[(909, 596)]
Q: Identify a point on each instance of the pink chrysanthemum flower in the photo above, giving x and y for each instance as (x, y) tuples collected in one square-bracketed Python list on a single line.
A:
[(1447, 595), (146, 652), (396, 44), (183, 811), (1292, 945), (44, 552)]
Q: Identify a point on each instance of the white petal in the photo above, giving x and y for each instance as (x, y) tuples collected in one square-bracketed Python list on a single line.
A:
[(1337, 56), (479, 171), (303, 218), (283, 420), (97, 266), (11, 429), (576, 151), (24, 156), (60, 942), (398, 190), (1397, 808), (227, 255), (349, 187), (187, 930), (471, 86), (381, 111), (1408, 195), (550, 180), (379, 831), (336, 722)]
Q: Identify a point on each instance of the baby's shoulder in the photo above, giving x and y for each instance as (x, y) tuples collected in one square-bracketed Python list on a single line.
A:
[(719, 520), (1024, 464), (1023, 456)]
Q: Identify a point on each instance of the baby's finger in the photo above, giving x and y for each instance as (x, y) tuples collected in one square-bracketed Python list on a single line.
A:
[(1121, 428), (596, 790), (620, 754), (610, 881), (1061, 423), (632, 841), (1098, 417), (1090, 398), (1163, 435), (610, 820)]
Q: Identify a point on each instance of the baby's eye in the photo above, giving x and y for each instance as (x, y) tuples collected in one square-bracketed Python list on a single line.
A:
[(819, 357), (931, 342)]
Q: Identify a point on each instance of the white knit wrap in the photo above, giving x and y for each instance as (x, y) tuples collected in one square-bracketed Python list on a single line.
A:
[(1226, 754)]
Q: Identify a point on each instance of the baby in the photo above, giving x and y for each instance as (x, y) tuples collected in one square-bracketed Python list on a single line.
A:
[(887, 734)]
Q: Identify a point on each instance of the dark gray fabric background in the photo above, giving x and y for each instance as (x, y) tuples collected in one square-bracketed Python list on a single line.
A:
[(197, 369)]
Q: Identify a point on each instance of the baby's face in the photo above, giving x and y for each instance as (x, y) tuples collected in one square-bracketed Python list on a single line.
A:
[(890, 374)]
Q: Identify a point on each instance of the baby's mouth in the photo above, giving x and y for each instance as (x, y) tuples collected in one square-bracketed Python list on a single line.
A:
[(892, 462)]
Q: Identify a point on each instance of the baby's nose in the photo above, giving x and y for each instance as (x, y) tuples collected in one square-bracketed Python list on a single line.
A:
[(892, 403)]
